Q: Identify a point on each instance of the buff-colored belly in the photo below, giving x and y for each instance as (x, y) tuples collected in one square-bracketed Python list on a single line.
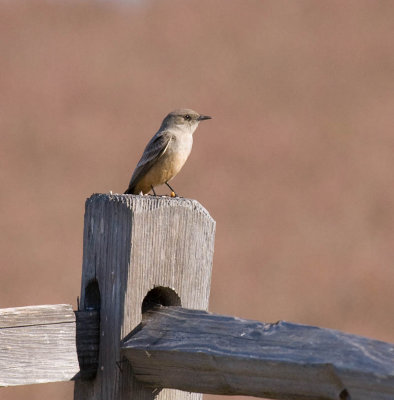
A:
[(167, 166)]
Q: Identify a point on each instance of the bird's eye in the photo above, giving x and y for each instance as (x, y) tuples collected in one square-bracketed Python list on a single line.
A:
[(187, 117)]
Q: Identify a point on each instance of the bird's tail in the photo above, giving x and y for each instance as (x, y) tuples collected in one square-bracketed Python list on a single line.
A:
[(130, 190)]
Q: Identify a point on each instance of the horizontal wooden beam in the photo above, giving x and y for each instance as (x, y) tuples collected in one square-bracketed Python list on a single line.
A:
[(201, 352), (41, 344)]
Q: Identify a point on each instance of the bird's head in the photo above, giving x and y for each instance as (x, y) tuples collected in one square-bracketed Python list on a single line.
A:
[(184, 119)]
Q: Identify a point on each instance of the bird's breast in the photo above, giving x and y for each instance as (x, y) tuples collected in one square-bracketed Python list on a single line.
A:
[(180, 147), (177, 153)]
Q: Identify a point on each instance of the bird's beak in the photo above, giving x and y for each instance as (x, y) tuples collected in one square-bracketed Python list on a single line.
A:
[(202, 117)]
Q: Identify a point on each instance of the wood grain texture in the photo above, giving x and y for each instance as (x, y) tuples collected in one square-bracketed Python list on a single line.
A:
[(131, 245), (40, 344), (35, 315), (37, 345), (202, 352)]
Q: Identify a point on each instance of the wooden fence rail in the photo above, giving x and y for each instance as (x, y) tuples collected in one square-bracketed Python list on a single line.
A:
[(143, 330), (201, 352), (49, 343)]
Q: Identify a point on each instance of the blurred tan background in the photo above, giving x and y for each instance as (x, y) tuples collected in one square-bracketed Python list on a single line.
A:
[(296, 166)]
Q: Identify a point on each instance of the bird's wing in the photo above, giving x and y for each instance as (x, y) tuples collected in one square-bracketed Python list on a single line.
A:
[(156, 147)]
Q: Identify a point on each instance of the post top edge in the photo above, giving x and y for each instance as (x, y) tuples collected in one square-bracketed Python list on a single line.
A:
[(152, 202)]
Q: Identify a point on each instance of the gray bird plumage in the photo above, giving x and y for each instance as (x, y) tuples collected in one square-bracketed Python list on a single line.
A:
[(166, 152)]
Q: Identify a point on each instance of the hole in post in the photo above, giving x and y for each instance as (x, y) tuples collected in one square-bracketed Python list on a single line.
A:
[(92, 296), (160, 296)]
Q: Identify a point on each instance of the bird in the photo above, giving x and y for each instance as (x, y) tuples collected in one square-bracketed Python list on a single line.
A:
[(166, 152)]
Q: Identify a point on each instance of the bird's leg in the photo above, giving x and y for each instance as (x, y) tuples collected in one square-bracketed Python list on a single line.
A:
[(173, 194), (153, 190)]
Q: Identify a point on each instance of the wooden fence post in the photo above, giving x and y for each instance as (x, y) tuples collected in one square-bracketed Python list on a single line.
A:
[(134, 245)]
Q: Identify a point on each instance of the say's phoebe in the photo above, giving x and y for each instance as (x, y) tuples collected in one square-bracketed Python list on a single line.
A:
[(166, 152)]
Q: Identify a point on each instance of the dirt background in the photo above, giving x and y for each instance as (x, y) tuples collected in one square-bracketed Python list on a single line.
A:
[(296, 166)]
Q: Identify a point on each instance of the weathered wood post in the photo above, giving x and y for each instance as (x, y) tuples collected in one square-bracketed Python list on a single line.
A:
[(133, 244), (140, 252)]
